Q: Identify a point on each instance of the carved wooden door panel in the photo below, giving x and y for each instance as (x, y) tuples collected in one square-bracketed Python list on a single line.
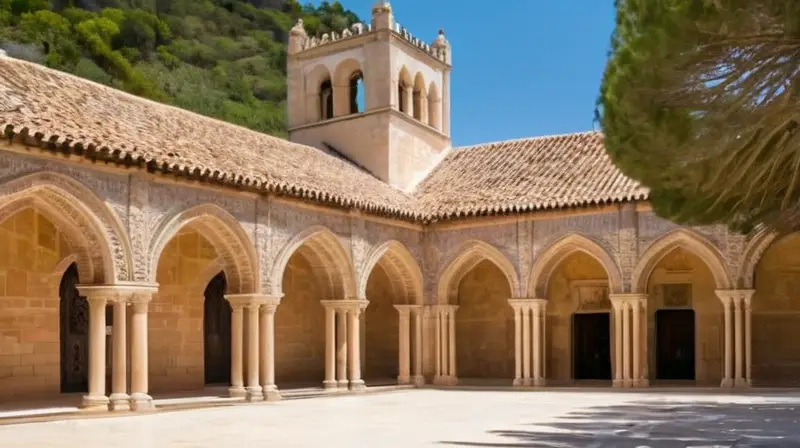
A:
[(74, 322), (217, 332)]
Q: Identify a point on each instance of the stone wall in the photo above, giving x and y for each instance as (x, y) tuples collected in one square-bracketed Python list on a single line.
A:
[(31, 248), (175, 318)]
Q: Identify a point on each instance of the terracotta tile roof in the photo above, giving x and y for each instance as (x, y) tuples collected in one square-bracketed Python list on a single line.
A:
[(44, 107), (525, 175)]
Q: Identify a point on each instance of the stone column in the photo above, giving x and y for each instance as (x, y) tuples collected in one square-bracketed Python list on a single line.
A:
[(330, 347), (748, 348), (267, 344), (404, 344), (725, 297), (617, 304), (419, 379), (120, 400), (526, 344), (342, 348), (539, 307), (517, 342), (237, 348), (96, 399), (626, 343), (140, 399), (254, 390), (451, 347), (738, 339), (637, 342), (409, 100), (354, 355), (439, 375)]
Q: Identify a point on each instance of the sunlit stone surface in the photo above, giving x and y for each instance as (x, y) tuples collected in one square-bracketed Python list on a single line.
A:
[(448, 418)]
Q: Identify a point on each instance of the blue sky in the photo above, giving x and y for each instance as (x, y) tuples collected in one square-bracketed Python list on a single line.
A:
[(521, 68)]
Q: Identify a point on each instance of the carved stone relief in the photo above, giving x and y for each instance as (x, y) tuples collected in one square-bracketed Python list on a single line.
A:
[(590, 295)]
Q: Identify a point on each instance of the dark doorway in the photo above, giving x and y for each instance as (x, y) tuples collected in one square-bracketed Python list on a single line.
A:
[(74, 320), (217, 332), (675, 344), (591, 346)]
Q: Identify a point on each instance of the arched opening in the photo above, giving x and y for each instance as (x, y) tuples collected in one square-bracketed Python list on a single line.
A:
[(311, 268), (326, 100), (776, 314), (74, 334), (394, 283), (419, 98), (484, 325), (684, 320), (404, 88), (357, 92), (177, 324), (578, 325), (216, 332)]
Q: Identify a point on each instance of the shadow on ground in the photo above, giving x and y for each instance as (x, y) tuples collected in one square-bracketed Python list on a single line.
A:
[(650, 424)]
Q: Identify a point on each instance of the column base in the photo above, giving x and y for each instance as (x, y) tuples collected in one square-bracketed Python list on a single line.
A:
[(741, 383), (418, 380), (343, 384), (726, 382), (330, 385), (642, 382), (90, 403), (237, 392), (518, 382), (141, 402), (119, 402), (618, 383), (271, 393), (403, 380), (539, 382), (358, 386), (445, 380), (254, 393)]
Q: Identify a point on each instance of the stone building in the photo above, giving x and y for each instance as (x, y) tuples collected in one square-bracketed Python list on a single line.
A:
[(146, 249)]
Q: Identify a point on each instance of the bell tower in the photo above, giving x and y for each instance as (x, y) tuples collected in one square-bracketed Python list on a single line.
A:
[(372, 94)]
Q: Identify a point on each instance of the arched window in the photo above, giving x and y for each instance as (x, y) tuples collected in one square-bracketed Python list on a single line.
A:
[(326, 100), (401, 96), (357, 92)]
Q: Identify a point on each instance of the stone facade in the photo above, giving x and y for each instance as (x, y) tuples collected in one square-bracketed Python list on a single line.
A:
[(107, 276)]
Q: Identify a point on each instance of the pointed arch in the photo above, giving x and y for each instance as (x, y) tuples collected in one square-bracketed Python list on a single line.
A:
[(756, 247), (91, 228), (404, 84), (419, 98), (434, 106), (473, 252), (225, 233), (689, 241), (346, 77), (550, 259), (402, 267), (327, 255)]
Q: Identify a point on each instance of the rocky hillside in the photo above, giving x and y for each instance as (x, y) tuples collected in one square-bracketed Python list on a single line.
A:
[(221, 58)]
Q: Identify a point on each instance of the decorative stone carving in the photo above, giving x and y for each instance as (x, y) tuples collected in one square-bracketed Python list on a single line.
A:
[(591, 296), (676, 295)]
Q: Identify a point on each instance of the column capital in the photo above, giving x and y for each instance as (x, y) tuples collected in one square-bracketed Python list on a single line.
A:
[(527, 302), (406, 310), (357, 305), (729, 295), (252, 300), (121, 292)]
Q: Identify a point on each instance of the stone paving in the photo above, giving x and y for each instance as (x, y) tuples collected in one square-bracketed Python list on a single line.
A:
[(418, 418)]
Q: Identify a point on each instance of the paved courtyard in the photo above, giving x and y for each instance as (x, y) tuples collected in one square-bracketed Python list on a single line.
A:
[(418, 418)]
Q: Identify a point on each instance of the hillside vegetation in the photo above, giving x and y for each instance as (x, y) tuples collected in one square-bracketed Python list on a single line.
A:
[(221, 58)]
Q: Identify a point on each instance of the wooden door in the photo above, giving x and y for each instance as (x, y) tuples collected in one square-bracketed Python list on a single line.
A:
[(74, 332), (591, 346), (217, 333), (675, 345)]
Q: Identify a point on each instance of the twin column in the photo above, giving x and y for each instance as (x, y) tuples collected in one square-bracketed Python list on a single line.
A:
[(529, 341), (406, 312), (260, 310), (137, 296), (342, 344), (738, 348), (445, 316), (630, 319)]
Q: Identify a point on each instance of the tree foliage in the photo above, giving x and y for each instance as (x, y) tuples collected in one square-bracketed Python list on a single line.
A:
[(221, 58), (699, 102)]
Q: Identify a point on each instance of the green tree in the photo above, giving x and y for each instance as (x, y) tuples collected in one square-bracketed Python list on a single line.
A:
[(699, 102), (54, 34)]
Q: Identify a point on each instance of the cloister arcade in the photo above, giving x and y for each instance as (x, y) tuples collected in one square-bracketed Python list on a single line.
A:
[(80, 313)]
